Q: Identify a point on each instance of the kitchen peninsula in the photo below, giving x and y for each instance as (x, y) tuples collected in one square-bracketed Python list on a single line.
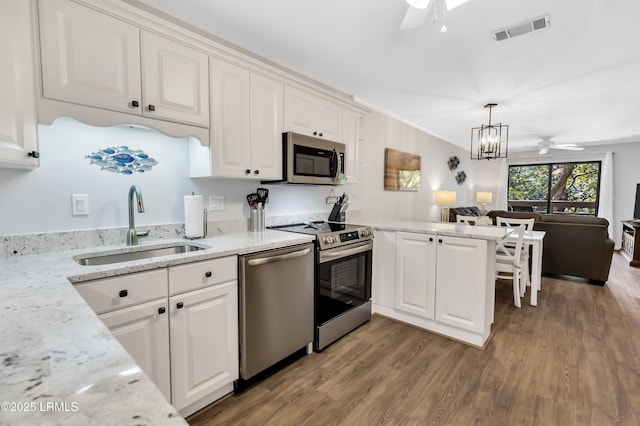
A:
[(437, 276)]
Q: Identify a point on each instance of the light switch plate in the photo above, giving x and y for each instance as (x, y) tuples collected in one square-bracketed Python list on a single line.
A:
[(216, 203), (80, 204)]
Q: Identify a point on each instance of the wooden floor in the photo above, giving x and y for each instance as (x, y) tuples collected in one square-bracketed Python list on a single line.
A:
[(573, 360)]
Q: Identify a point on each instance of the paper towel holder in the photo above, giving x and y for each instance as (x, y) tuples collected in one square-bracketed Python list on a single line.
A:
[(205, 227)]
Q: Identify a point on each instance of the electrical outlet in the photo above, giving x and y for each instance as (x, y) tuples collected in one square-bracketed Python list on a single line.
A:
[(332, 200), (216, 203), (80, 204)]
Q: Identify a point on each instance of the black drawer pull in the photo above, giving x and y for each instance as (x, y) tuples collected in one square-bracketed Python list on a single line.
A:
[(440, 241), (208, 274), (246, 172), (320, 134), (34, 154), (430, 239), (179, 305), (257, 172), (135, 104), (315, 133), (151, 108), (162, 310), (123, 293)]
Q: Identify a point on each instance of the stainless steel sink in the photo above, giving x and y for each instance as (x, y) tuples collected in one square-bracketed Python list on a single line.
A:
[(136, 255)]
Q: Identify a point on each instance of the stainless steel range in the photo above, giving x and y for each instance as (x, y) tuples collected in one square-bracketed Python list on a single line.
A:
[(342, 277)]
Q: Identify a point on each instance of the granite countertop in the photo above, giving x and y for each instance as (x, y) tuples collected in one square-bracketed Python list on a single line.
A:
[(60, 364), (449, 229)]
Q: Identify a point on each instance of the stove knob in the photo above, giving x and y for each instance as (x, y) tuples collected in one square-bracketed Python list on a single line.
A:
[(328, 239)]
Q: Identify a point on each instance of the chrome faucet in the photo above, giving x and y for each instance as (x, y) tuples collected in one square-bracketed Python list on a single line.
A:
[(132, 235)]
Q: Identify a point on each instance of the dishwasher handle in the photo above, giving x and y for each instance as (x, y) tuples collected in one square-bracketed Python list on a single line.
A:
[(278, 258)]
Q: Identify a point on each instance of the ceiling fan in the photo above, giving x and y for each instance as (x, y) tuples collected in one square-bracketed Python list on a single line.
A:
[(419, 9), (546, 144)]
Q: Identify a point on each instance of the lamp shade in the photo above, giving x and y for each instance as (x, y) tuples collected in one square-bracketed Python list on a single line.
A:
[(484, 197), (445, 198)]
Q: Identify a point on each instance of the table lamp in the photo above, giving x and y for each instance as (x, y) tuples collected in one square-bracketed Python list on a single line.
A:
[(483, 198), (445, 199)]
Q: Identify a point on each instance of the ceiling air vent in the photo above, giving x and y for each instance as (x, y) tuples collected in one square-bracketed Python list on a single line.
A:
[(529, 26)]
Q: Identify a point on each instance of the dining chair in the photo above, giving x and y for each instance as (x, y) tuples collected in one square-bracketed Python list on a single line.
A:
[(471, 220), (513, 223), (509, 264)]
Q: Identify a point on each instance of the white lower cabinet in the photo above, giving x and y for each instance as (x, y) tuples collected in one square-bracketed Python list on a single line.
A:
[(461, 277), (440, 283), (180, 324), (204, 342), (143, 330), (415, 276)]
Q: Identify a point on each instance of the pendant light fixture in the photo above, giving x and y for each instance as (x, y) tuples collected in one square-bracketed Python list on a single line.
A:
[(489, 140)]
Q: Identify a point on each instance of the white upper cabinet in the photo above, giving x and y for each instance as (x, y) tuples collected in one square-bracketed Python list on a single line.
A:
[(246, 133), (18, 129), (90, 58), (311, 115), (351, 138), (267, 110), (175, 83)]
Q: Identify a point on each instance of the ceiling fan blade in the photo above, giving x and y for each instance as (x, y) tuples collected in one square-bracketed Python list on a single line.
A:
[(568, 146), (414, 18), (452, 4)]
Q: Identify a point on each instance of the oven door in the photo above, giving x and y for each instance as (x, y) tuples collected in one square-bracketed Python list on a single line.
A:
[(343, 280)]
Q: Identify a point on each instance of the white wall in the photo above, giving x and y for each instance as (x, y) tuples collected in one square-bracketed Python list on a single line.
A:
[(40, 200), (378, 132)]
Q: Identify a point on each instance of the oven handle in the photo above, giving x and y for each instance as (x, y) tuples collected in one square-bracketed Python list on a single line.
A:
[(278, 258), (330, 255)]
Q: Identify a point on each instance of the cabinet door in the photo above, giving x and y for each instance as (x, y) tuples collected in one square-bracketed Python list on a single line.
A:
[(89, 58), (143, 330), (18, 129), (204, 342), (299, 112), (267, 111), (415, 276), (351, 138), (384, 252), (175, 81), (461, 282), (230, 119), (329, 120)]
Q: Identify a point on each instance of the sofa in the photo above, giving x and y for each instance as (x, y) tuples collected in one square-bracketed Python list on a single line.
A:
[(574, 245)]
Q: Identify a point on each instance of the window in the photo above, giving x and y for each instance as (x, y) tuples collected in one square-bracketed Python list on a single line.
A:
[(555, 187)]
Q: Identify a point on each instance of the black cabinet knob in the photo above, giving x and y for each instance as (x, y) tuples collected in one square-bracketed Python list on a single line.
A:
[(123, 293), (320, 134), (208, 274), (162, 310), (151, 108), (430, 239), (440, 241), (34, 154), (256, 172), (179, 305), (135, 104), (246, 172), (315, 133)]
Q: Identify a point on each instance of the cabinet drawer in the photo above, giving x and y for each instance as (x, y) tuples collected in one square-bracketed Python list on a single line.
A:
[(202, 274), (119, 292)]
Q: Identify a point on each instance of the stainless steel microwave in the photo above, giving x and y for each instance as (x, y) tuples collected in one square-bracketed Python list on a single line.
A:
[(312, 161)]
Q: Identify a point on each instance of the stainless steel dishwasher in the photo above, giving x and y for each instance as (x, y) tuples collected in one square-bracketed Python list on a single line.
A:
[(276, 306)]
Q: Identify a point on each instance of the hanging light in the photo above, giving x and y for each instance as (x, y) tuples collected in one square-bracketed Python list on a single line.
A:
[(489, 141)]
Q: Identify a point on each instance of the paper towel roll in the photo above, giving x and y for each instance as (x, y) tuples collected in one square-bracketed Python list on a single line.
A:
[(193, 216)]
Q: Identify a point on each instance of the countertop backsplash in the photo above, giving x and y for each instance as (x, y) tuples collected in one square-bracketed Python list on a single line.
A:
[(49, 242)]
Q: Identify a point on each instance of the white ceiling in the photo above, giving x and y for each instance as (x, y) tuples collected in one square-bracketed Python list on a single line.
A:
[(576, 82)]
